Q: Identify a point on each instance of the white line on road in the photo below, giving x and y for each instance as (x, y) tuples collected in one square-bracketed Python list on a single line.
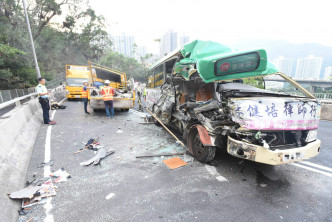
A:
[(109, 196), (213, 171), (312, 169), (316, 165), (47, 170)]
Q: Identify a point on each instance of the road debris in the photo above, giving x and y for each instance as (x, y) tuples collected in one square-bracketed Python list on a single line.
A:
[(109, 196), (92, 144), (56, 105), (174, 163), (27, 192), (49, 163), (47, 189), (96, 159), (22, 212), (119, 131), (61, 175), (160, 155)]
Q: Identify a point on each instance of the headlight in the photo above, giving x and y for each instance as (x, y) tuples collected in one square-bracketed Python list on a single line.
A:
[(312, 135)]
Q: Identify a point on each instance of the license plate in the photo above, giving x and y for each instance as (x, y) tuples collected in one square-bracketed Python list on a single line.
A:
[(292, 156), (78, 96)]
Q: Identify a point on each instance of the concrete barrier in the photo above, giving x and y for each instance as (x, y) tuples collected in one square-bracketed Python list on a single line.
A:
[(326, 112), (18, 132), (19, 129)]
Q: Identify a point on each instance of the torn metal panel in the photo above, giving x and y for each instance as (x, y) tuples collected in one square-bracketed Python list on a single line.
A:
[(96, 159), (206, 139), (275, 113)]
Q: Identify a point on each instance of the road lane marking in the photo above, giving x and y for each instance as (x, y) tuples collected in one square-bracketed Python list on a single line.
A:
[(312, 169), (109, 196), (213, 171), (316, 165), (47, 170)]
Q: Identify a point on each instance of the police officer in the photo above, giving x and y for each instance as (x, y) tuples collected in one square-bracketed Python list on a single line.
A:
[(85, 96), (108, 93), (44, 101)]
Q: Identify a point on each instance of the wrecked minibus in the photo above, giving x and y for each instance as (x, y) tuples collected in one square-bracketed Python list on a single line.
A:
[(218, 97), (124, 97)]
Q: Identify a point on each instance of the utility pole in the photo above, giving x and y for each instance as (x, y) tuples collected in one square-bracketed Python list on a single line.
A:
[(31, 40)]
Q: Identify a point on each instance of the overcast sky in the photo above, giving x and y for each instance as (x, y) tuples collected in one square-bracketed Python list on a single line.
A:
[(229, 21)]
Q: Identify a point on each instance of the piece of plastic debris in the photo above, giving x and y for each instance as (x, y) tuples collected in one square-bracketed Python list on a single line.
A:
[(22, 212), (49, 163), (61, 175), (109, 196), (187, 158), (28, 192), (174, 163), (100, 155), (263, 184), (119, 131), (47, 189)]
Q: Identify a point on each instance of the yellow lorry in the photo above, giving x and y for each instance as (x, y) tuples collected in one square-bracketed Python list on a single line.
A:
[(124, 97), (75, 75)]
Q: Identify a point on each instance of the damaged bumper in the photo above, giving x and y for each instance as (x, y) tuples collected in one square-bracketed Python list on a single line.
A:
[(272, 157)]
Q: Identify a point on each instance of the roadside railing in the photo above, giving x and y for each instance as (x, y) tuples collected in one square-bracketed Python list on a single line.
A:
[(7, 95), (320, 96)]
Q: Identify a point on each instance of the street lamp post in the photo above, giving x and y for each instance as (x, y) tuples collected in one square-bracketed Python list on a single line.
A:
[(31, 40)]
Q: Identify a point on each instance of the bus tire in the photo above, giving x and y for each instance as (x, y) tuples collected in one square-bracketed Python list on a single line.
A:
[(200, 152)]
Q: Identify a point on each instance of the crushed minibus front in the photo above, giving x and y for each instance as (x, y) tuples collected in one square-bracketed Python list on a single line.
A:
[(221, 98)]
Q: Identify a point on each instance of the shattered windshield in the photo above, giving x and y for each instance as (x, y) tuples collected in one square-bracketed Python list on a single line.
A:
[(273, 84)]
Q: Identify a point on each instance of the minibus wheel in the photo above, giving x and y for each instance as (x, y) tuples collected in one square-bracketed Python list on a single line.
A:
[(201, 153)]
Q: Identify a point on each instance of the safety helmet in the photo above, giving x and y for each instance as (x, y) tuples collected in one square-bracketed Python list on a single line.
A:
[(85, 81), (107, 81)]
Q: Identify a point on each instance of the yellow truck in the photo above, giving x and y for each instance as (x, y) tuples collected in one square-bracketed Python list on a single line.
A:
[(124, 97), (75, 75)]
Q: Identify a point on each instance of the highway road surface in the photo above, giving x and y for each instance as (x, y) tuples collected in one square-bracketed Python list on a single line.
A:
[(125, 188)]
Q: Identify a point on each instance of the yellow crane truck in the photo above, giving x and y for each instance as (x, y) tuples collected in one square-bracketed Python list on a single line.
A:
[(75, 75), (124, 97)]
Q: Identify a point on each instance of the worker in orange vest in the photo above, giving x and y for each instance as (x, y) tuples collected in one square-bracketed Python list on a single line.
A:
[(108, 93), (85, 96)]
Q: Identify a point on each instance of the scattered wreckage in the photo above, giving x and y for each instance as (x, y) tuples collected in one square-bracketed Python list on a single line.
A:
[(209, 92)]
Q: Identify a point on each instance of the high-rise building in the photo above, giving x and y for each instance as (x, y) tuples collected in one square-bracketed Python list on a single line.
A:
[(141, 52), (309, 67), (168, 42), (123, 44), (184, 39), (328, 73), (285, 65)]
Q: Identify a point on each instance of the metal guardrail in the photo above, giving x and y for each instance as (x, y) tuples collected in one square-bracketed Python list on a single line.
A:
[(7, 95), (319, 96)]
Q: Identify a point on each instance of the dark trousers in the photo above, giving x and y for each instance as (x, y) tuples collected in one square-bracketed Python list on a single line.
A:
[(109, 108), (85, 100), (46, 108)]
